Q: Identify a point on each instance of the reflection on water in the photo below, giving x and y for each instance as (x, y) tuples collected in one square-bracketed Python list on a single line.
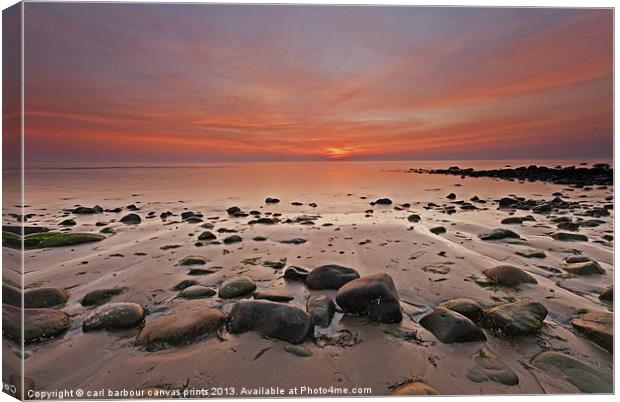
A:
[(335, 186)]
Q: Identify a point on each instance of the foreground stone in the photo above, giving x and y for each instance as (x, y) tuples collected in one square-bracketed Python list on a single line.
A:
[(490, 368), (508, 275), (236, 287), (373, 295), (330, 276), (563, 236), (101, 296), (295, 274), (449, 326), (598, 326), (466, 307), (274, 295), (583, 376), (39, 324), (321, 309), (192, 321), (275, 320), (196, 292), (131, 219), (114, 316), (414, 388), (515, 319), (584, 268), (607, 294), (45, 297), (499, 234), (193, 260)]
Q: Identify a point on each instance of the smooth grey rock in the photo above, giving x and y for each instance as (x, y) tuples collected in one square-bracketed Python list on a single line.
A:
[(508, 275), (39, 324), (196, 292), (515, 319), (45, 297), (275, 320), (236, 287), (466, 307), (330, 276), (499, 234), (321, 309), (114, 316), (373, 295), (449, 326)]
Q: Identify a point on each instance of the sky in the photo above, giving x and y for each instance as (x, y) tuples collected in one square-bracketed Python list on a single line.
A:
[(200, 83)]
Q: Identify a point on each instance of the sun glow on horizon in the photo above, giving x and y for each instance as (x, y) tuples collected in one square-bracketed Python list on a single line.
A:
[(338, 152)]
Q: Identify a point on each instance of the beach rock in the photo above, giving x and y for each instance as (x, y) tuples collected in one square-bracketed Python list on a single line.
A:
[(68, 222), (563, 236), (577, 258), (499, 234), (571, 226), (196, 292), (298, 350), (56, 239), (466, 307), (184, 284), (295, 273), (45, 297), (383, 201), (192, 321), (275, 320), (39, 324), (584, 268), (85, 211), (449, 326), (101, 296), (206, 236), (330, 276), (414, 218), (233, 210), (193, 260), (373, 295), (114, 316), (193, 219), (297, 240), (532, 254), (131, 219), (233, 239), (270, 200), (598, 326), (451, 196), (583, 376), (607, 294), (512, 220), (321, 309), (489, 368), (438, 230), (273, 295), (236, 287), (414, 388), (11, 295), (508, 275), (189, 214), (515, 319)]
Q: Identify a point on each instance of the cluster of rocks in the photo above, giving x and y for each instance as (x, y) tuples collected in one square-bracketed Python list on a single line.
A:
[(598, 174), (458, 320)]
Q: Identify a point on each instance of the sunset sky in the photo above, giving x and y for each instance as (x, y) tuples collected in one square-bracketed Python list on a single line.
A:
[(118, 82)]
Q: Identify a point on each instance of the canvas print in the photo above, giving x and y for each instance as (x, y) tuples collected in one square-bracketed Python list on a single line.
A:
[(230, 201)]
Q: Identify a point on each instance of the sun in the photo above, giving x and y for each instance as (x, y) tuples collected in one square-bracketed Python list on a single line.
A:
[(337, 152)]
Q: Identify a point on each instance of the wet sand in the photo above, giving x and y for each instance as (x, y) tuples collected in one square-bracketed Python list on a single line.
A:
[(427, 269)]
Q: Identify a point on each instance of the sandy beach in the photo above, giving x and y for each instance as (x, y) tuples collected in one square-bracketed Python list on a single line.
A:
[(425, 231)]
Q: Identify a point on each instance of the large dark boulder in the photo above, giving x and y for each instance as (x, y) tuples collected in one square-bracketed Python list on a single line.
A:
[(515, 319), (275, 320), (330, 276), (373, 295), (45, 297), (508, 275), (114, 316), (39, 324), (449, 326)]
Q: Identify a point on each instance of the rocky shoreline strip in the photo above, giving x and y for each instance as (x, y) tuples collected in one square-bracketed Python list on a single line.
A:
[(600, 174)]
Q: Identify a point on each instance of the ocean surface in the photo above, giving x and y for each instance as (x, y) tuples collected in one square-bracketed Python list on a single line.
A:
[(219, 185)]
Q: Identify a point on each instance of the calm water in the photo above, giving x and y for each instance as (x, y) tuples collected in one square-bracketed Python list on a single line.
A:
[(336, 185)]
